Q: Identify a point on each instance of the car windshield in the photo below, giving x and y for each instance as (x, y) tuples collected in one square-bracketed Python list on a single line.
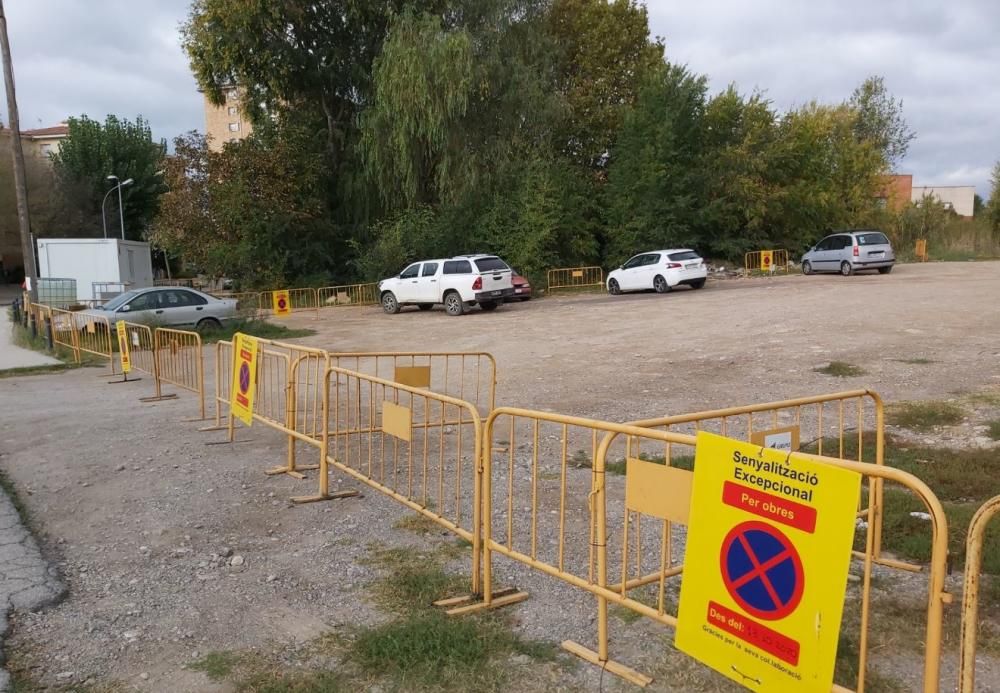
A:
[(686, 255), (491, 264), (119, 300), (874, 238)]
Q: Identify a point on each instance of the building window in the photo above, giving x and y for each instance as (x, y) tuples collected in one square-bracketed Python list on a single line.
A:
[(234, 127), (231, 95), (232, 110), (46, 149)]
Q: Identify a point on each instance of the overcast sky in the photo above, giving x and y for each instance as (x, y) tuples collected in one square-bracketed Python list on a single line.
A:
[(939, 57)]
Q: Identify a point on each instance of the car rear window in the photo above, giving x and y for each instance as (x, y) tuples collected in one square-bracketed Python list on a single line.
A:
[(875, 238), (491, 264), (686, 255), (457, 267)]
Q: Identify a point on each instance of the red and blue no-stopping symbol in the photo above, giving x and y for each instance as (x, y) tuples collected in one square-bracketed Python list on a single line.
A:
[(762, 570), (282, 303), (244, 377)]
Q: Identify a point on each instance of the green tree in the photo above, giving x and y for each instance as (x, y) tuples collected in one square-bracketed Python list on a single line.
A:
[(603, 54), (255, 212), (653, 192), (993, 206), (879, 120), (91, 152)]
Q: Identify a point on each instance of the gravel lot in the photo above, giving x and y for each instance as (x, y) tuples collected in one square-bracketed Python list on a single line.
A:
[(144, 520)]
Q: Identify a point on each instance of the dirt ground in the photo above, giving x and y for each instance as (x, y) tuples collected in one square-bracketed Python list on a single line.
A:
[(141, 516)]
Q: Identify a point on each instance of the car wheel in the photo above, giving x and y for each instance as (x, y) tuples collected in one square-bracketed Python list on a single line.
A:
[(885, 270), (660, 285), (389, 303), (206, 324), (807, 267), (613, 287), (697, 283), (453, 304), (425, 306), (846, 269), (489, 305)]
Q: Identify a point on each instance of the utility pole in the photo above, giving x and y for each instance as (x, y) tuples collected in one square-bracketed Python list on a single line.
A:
[(20, 184)]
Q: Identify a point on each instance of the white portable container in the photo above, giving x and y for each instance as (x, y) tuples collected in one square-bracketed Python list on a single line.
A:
[(102, 267)]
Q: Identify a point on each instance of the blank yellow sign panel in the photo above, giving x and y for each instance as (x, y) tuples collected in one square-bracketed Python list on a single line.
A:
[(397, 420), (657, 490), (413, 376)]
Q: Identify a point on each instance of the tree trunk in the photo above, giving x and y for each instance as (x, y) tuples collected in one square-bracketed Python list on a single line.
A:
[(20, 186)]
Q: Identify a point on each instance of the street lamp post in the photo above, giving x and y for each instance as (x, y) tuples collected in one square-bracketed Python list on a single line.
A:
[(121, 209)]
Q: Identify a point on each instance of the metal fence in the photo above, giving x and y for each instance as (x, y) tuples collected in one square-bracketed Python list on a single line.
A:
[(79, 332), (766, 261), (348, 295), (180, 362), (539, 511), (575, 278), (970, 593), (301, 300)]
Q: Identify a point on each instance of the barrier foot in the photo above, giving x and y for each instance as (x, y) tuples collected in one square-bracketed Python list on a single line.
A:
[(466, 598), (125, 380), (585, 653), (290, 472), (160, 398), (203, 429), (318, 498), (500, 598), (202, 418)]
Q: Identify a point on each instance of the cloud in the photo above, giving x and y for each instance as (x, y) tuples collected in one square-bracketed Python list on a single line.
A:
[(940, 59), (74, 57), (124, 57)]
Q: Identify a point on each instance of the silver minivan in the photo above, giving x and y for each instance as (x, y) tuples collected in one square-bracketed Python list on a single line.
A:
[(850, 251)]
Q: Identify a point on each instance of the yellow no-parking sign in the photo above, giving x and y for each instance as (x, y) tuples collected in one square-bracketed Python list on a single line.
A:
[(123, 348), (765, 567), (767, 260), (244, 377), (282, 302)]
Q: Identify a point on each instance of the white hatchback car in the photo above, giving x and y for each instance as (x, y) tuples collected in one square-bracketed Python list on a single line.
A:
[(459, 283), (660, 270)]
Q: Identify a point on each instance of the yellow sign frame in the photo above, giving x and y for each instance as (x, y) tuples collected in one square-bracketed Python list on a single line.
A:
[(277, 297), (123, 347), (244, 388), (767, 628)]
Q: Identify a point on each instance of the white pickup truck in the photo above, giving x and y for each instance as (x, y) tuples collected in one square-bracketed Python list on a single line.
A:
[(459, 283)]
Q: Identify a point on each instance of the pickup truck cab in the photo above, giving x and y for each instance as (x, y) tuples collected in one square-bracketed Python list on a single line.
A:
[(459, 283)]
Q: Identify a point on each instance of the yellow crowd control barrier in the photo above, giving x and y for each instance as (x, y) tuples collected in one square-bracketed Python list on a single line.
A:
[(575, 278), (348, 295), (416, 446), (921, 250), (179, 361), (970, 593), (467, 375), (541, 511), (766, 261), (846, 425), (82, 332), (301, 300), (142, 351), (248, 304)]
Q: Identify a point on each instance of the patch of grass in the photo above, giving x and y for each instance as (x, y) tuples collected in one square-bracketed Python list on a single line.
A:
[(680, 461), (840, 369), (961, 479), (915, 362), (279, 680), (994, 429), (922, 416), (989, 399), (255, 328), (22, 337), (37, 370), (845, 670), (216, 665), (418, 524)]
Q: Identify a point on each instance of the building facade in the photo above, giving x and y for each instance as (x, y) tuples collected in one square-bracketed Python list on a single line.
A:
[(225, 123), (960, 198)]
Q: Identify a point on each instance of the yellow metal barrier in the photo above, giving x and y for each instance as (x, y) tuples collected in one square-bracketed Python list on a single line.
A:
[(348, 295), (470, 376), (766, 261), (301, 300), (846, 425), (80, 332), (142, 350), (179, 361), (970, 594), (399, 440), (575, 278), (539, 511), (921, 250), (248, 304)]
